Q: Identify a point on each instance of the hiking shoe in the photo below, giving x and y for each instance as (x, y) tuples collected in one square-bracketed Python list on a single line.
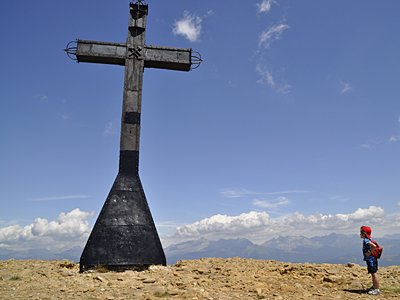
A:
[(370, 289), (374, 292)]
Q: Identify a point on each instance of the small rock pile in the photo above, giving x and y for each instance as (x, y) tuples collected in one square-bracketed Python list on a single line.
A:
[(206, 278)]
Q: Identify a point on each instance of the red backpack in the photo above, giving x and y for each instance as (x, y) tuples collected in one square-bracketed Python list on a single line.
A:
[(378, 250)]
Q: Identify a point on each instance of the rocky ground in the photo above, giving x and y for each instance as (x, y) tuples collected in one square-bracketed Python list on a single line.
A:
[(207, 278)]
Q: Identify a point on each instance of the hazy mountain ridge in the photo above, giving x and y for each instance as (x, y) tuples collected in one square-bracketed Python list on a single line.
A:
[(72, 254), (392, 236), (333, 248)]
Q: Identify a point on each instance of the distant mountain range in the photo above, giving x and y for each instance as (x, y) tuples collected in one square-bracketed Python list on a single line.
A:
[(72, 254), (333, 248)]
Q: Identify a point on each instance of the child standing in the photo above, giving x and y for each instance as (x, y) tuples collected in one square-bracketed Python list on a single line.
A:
[(372, 262)]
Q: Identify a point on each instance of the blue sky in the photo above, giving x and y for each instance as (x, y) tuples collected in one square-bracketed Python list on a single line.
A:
[(291, 125)]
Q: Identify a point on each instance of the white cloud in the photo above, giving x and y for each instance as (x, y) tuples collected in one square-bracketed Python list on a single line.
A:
[(7, 223), (189, 26), (265, 6), (41, 98), (346, 87), (259, 226), (171, 224), (109, 129), (265, 74), (317, 221), (273, 33), (267, 78), (221, 225), (69, 230), (271, 203), (373, 213), (370, 144), (398, 203), (395, 138), (60, 198), (236, 193), (265, 39), (64, 117), (339, 198), (284, 88), (208, 14)]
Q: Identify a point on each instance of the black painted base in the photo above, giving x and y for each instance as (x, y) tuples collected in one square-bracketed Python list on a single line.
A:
[(124, 233)]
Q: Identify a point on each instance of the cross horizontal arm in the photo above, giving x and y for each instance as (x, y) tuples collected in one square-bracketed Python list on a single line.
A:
[(179, 59), (101, 52)]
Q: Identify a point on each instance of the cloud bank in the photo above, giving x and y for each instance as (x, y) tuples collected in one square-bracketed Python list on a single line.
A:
[(260, 227), (68, 230), (71, 229), (189, 27)]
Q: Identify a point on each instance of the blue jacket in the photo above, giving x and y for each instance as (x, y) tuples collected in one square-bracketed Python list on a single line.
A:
[(367, 248)]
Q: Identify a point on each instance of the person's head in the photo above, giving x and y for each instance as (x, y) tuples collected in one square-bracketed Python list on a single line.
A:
[(365, 231)]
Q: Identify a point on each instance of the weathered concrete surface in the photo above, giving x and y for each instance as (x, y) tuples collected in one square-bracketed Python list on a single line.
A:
[(207, 278)]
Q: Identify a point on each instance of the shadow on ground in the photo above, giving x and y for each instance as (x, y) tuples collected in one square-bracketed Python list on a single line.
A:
[(355, 291)]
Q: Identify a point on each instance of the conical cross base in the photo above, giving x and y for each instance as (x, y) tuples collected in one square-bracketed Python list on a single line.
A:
[(124, 233)]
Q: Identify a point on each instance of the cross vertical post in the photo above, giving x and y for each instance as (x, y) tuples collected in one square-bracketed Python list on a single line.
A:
[(124, 234), (132, 97)]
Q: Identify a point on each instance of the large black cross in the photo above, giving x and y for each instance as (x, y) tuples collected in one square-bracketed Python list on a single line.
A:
[(124, 233)]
